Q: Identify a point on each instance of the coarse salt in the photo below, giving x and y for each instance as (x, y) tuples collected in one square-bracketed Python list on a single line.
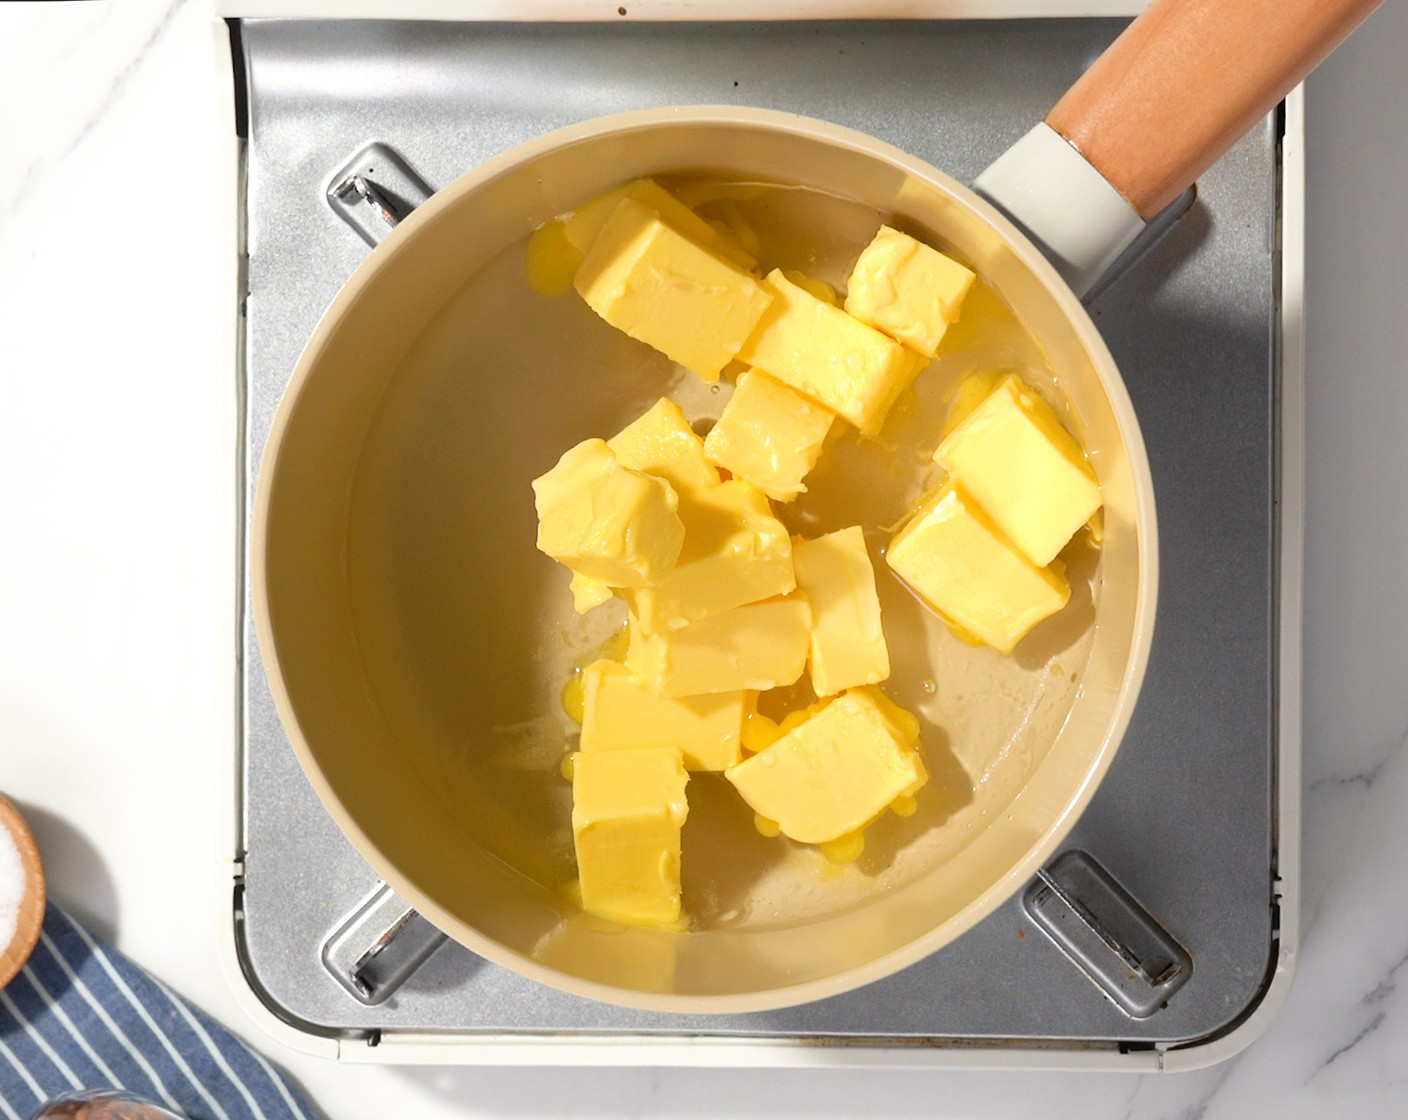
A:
[(12, 884)]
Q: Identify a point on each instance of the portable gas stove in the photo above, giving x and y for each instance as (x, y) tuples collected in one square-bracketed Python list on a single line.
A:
[(1162, 937)]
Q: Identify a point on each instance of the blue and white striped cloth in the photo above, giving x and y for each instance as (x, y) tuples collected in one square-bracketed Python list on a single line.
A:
[(81, 1016)]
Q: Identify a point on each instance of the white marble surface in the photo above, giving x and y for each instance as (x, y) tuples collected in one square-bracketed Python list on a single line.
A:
[(116, 438)]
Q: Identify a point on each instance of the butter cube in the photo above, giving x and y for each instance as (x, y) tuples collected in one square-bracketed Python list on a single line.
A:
[(907, 289), (838, 361), (621, 713), (769, 435), (833, 774), (585, 223), (607, 522), (1014, 457), (645, 278), (662, 443), (962, 566), (757, 646), (735, 551), (847, 644), (627, 811)]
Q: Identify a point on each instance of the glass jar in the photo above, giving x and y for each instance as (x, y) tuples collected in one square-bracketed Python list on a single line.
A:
[(103, 1104)]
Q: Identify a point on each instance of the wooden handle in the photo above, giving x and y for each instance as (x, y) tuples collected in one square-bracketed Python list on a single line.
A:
[(1186, 80)]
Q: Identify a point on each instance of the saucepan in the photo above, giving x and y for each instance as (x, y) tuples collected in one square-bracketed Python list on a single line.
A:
[(417, 644)]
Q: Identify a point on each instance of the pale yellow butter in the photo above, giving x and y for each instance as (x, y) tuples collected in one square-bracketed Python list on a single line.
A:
[(907, 289), (621, 713), (770, 435), (847, 643), (661, 442), (645, 278), (834, 773), (1014, 457), (829, 356), (819, 288), (735, 551), (628, 807), (757, 646), (584, 224), (952, 554), (587, 593), (605, 521)]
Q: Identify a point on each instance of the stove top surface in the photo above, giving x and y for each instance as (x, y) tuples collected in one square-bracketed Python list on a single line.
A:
[(1185, 818)]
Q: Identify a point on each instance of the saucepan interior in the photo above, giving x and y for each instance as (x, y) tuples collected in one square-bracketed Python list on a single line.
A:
[(418, 644)]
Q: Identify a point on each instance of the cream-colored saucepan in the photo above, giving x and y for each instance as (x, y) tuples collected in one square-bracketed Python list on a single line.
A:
[(417, 643)]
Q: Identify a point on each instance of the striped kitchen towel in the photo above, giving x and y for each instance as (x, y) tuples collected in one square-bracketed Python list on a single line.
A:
[(81, 1016)]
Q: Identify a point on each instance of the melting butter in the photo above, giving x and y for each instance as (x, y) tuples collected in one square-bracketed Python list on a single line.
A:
[(844, 849), (552, 259)]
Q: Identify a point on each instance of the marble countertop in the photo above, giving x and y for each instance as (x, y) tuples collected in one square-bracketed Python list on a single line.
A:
[(116, 449)]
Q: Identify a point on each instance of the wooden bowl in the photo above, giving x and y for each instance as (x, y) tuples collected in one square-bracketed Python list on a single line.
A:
[(31, 914)]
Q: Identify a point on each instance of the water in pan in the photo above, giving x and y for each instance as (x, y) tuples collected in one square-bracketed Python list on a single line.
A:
[(470, 634)]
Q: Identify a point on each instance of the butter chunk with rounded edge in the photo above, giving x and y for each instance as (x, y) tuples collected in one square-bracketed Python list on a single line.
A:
[(757, 646), (646, 278), (958, 561), (588, 594), (628, 808), (1017, 460), (621, 713), (582, 226), (769, 435), (735, 551), (834, 773), (607, 522), (847, 643), (853, 369), (661, 442), (907, 289)]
